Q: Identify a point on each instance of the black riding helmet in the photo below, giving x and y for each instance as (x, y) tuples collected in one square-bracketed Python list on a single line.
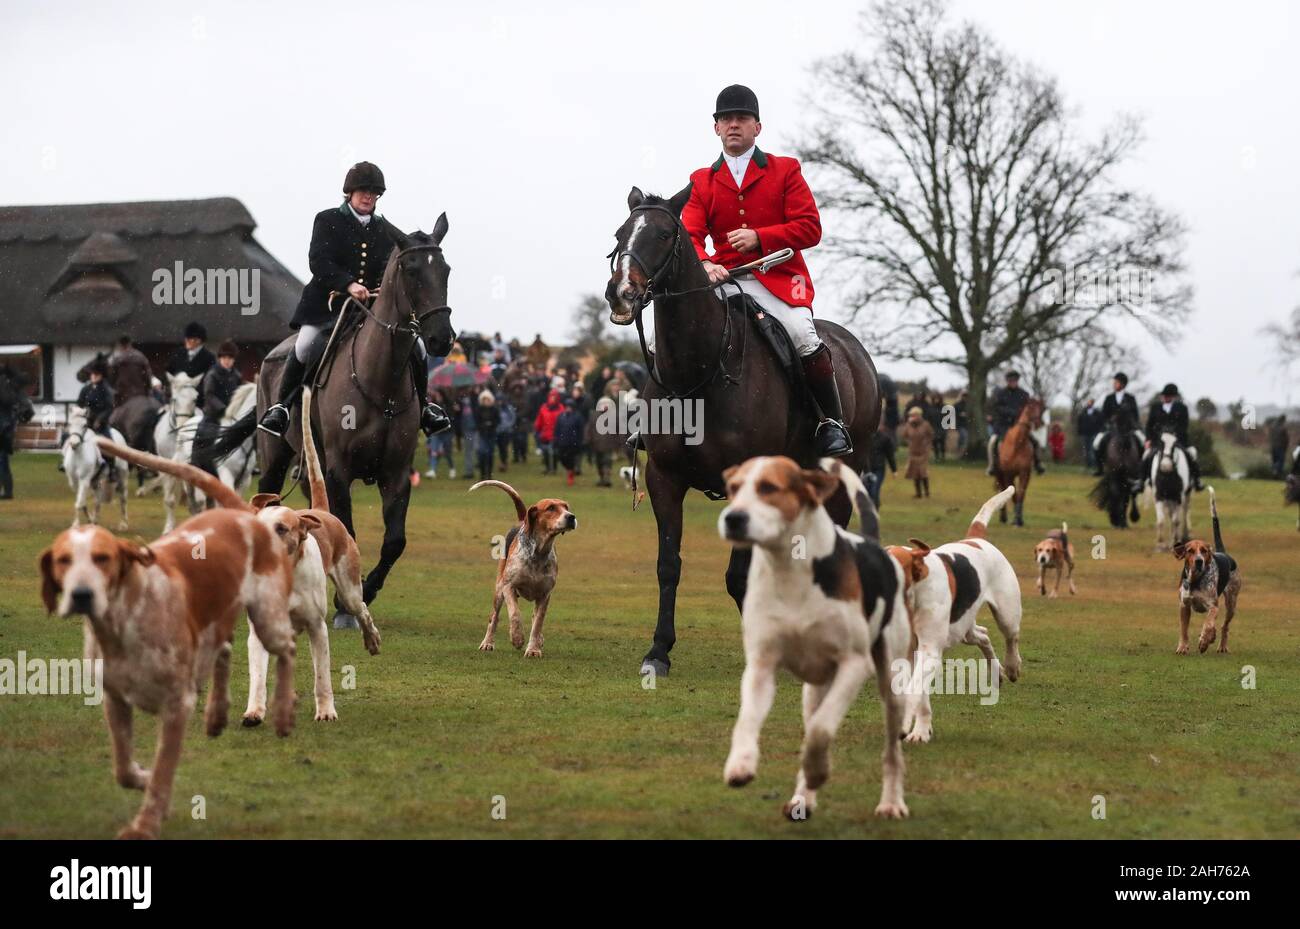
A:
[(363, 174), (196, 331), (1122, 378), (1171, 390), (737, 98)]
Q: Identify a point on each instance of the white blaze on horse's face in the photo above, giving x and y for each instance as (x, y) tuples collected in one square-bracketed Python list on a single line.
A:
[(626, 290), (1167, 453)]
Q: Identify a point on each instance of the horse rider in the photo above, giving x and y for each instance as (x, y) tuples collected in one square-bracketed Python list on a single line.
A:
[(1118, 408), (350, 246), (1006, 405), (195, 358), (129, 373), (97, 397), (219, 385), (1169, 414), (752, 203)]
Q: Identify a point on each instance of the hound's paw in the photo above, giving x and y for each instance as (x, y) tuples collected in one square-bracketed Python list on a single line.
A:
[(123, 526), (892, 810), (131, 832), (517, 638), (1206, 641), (1223, 648), (533, 651), (487, 645), (1052, 595), (740, 768), (1012, 672), (253, 719), (797, 809), (370, 636), (918, 734), (135, 779), (284, 722), (1181, 649), (215, 724), (326, 714)]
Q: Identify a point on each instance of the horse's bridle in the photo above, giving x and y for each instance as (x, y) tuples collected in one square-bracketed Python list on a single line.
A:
[(414, 323), (670, 265)]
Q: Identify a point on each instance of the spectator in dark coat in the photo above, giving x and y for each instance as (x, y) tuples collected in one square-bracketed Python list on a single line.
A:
[(487, 420), (962, 421), (569, 427), (15, 409), (884, 448), (1278, 440), (1090, 425)]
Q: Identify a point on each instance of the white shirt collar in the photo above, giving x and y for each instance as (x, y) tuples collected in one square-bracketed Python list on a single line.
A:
[(739, 163), (1168, 407), (363, 219), (1119, 396)]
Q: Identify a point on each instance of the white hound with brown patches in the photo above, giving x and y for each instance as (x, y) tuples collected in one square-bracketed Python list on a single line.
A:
[(824, 604), (161, 617), (326, 551), (949, 586)]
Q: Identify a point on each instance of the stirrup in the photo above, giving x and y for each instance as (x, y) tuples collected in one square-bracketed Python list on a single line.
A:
[(832, 439), (288, 417)]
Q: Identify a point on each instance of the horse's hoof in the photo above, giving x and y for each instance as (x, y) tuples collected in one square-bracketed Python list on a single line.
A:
[(345, 621), (654, 667)]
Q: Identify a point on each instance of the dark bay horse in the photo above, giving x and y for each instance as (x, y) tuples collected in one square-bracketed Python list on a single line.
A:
[(1121, 480), (1015, 463), (365, 411), (705, 353)]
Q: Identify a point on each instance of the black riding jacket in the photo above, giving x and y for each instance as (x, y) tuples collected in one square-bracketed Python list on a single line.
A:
[(342, 252), (1174, 421)]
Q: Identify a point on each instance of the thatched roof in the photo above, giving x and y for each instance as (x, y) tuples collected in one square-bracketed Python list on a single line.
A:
[(83, 274)]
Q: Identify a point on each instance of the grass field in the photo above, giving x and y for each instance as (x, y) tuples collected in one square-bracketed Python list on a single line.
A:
[(434, 730)]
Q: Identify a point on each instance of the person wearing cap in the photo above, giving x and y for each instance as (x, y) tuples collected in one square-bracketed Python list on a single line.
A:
[(752, 203), (1169, 414), (350, 246), (97, 397), (1004, 410), (194, 359), (1119, 411), (218, 386), (919, 436)]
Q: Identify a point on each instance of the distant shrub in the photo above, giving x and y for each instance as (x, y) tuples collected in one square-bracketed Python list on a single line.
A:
[(1203, 439)]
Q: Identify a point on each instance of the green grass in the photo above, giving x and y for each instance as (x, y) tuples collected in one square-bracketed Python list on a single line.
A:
[(435, 730)]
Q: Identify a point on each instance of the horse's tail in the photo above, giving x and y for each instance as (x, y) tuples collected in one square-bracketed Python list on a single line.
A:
[(319, 498), (521, 510), (1100, 494), (204, 481), (858, 496), (1214, 519), (979, 526), (228, 438)]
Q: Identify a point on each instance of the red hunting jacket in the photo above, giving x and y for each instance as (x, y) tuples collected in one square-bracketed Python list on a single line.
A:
[(774, 201)]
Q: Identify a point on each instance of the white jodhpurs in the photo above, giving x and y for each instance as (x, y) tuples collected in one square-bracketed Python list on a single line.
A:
[(311, 342), (796, 320)]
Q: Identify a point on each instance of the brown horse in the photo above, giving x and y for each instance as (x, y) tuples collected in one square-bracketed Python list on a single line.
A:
[(365, 410), (712, 357), (1015, 461)]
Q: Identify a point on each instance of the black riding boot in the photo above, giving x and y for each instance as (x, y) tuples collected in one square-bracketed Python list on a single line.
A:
[(276, 418), (432, 417), (1194, 467), (1038, 463), (819, 371)]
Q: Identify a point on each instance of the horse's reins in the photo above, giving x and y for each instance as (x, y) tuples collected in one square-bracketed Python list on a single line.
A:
[(671, 264)]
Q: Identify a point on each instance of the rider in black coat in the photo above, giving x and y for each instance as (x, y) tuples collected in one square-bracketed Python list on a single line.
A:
[(1119, 413), (97, 398), (350, 246), (1169, 414), (194, 359), (219, 385), (1004, 410)]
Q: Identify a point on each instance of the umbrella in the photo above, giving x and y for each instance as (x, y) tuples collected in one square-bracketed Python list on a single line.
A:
[(457, 374), (635, 372)]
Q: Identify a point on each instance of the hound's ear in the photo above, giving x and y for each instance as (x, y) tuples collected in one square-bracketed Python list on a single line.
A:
[(726, 475), (262, 501), (1180, 551), (820, 485), (531, 518), (678, 200), (439, 229), (919, 546), (132, 554), (49, 589), (635, 198), (309, 522)]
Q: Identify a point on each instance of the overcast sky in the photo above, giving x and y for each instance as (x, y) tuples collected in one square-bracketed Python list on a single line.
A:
[(528, 123)]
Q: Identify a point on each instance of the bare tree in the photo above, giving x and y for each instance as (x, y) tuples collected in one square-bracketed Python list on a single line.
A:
[(1286, 338), (971, 206), (591, 326)]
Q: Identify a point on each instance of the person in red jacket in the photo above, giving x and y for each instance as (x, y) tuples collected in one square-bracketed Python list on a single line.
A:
[(751, 204), (544, 427)]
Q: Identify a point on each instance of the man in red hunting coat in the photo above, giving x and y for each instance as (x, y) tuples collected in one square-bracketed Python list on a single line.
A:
[(751, 204)]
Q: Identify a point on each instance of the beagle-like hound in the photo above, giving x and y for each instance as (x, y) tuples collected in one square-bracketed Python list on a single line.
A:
[(1055, 552), (821, 602), (1208, 574)]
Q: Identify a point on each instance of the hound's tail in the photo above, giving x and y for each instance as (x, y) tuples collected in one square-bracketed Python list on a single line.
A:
[(204, 481), (1214, 518), (1065, 535), (228, 439), (979, 526), (320, 499), (858, 496), (521, 510)]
